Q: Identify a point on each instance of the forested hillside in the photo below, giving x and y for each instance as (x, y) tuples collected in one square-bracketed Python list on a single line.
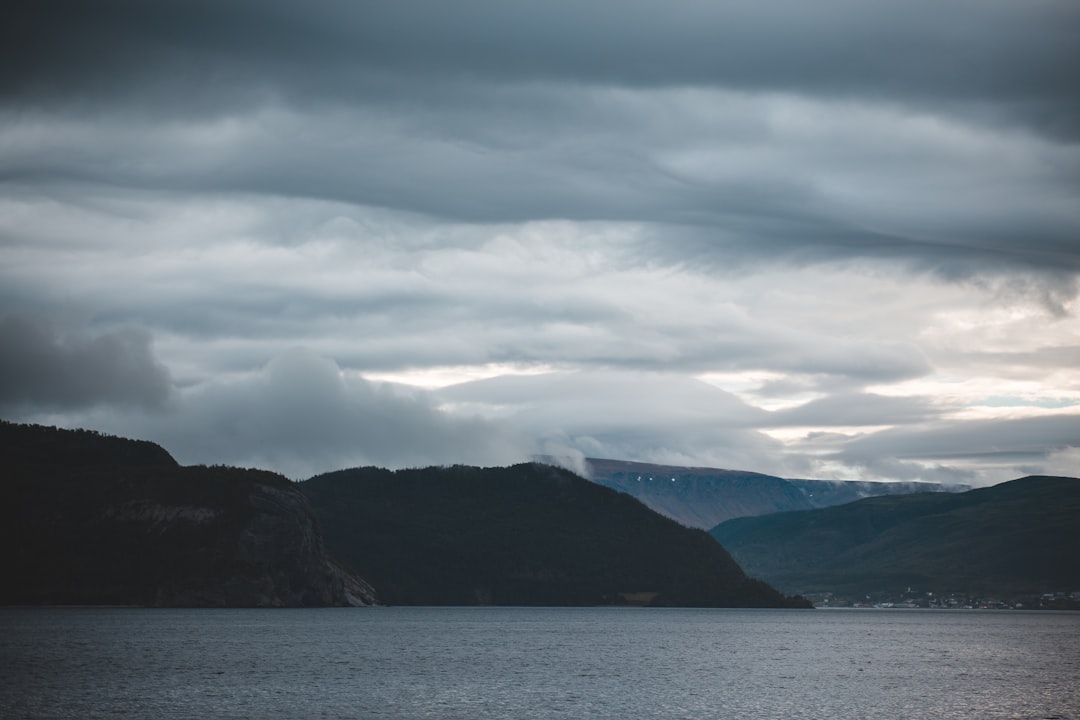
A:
[(529, 534)]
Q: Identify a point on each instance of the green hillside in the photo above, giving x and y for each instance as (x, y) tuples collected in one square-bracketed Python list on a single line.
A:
[(1017, 537), (526, 535)]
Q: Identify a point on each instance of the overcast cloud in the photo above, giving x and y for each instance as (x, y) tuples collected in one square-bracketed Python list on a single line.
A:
[(823, 239)]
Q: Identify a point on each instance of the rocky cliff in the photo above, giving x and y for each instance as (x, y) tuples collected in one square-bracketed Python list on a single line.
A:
[(90, 519)]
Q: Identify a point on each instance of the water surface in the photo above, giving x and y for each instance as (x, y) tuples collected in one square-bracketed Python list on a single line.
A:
[(526, 663)]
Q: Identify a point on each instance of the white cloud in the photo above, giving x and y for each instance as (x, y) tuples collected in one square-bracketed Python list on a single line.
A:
[(1064, 462)]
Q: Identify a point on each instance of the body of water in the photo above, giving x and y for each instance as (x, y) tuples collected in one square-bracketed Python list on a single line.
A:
[(521, 663)]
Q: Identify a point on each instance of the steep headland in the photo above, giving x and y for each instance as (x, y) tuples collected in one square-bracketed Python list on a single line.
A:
[(90, 519)]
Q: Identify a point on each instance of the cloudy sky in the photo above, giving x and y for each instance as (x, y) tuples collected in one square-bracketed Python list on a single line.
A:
[(834, 238)]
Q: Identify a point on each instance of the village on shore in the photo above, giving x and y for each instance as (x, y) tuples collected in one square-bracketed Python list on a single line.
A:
[(913, 599)]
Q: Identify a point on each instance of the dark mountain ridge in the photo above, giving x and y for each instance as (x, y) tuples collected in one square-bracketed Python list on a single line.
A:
[(25, 444), (91, 519), (1018, 537), (531, 534)]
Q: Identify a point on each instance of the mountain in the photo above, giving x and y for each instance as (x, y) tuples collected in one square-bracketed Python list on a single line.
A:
[(1014, 538), (705, 497), (827, 493), (90, 519), (530, 534)]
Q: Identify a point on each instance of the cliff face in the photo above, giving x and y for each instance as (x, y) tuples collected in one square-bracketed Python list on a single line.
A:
[(90, 520)]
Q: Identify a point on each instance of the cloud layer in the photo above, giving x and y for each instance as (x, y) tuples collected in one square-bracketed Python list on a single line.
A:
[(833, 238)]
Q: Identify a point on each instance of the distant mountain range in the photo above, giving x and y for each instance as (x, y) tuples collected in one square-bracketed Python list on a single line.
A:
[(1019, 537), (705, 497), (92, 519)]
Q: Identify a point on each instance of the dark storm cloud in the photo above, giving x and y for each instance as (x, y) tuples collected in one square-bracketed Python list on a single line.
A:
[(684, 116), (714, 181), (45, 365), (774, 205), (966, 50)]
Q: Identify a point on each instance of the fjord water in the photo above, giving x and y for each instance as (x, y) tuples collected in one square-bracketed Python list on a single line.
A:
[(538, 663)]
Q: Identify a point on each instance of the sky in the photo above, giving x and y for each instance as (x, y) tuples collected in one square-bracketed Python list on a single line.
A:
[(822, 239)]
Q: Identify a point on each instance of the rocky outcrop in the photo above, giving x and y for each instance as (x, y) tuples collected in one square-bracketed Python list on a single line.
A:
[(90, 520)]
